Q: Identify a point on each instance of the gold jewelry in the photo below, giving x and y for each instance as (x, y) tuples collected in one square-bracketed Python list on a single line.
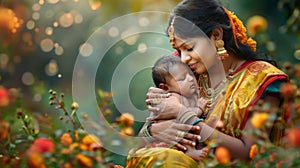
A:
[(209, 93), (171, 32), (156, 101), (179, 135), (221, 51)]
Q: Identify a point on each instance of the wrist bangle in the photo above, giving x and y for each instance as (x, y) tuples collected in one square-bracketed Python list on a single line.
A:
[(146, 134), (197, 121), (147, 128)]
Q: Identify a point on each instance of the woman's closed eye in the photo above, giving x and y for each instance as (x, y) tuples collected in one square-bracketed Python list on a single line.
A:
[(190, 49)]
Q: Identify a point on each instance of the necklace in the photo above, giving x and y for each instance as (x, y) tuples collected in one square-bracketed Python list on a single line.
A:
[(209, 93)]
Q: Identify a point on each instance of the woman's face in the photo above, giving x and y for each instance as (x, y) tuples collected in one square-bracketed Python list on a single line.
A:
[(198, 52)]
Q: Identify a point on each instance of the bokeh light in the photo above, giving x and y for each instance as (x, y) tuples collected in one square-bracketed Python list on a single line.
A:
[(119, 50), (52, 1), (66, 20), (30, 24), (297, 54), (143, 21), (27, 78), (36, 7), (113, 32), (142, 47), (51, 68), (95, 4), (86, 49), (35, 16), (49, 31), (46, 44)]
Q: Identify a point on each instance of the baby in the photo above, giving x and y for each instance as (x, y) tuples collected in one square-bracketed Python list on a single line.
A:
[(171, 74)]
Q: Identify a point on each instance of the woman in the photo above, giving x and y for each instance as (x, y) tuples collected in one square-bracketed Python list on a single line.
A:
[(232, 77)]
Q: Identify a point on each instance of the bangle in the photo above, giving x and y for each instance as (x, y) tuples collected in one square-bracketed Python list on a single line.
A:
[(145, 134), (185, 117), (147, 128), (197, 121)]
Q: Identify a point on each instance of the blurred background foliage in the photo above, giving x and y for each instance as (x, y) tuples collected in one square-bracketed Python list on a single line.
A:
[(41, 39)]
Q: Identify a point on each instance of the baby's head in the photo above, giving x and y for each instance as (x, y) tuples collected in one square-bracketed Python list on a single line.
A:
[(171, 74)]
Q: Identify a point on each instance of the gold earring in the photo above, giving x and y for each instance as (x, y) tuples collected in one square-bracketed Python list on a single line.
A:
[(171, 32), (221, 51)]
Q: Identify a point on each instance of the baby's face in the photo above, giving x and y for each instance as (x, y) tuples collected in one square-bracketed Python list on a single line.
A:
[(182, 81)]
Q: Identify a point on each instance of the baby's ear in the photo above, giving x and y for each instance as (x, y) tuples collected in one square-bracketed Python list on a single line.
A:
[(163, 86)]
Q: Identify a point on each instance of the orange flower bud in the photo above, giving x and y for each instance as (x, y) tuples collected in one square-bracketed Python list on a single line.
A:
[(127, 131), (84, 160), (258, 119), (253, 151), (127, 119), (66, 139), (90, 139), (223, 156), (4, 129)]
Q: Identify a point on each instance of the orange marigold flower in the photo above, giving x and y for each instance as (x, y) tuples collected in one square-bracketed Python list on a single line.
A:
[(66, 139), (90, 139), (4, 97), (256, 24), (127, 131), (43, 145), (67, 165), (293, 137), (258, 119), (287, 89), (84, 160), (35, 160), (223, 156), (91, 142), (127, 119), (4, 129), (253, 151), (8, 20)]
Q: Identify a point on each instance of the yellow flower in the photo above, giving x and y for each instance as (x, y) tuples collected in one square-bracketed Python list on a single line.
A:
[(84, 160), (258, 119), (66, 139), (256, 24), (223, 156), (253, 151)]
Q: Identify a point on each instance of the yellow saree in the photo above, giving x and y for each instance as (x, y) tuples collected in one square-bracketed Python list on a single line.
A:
[(246, 88), (159, 157), (248, 84)]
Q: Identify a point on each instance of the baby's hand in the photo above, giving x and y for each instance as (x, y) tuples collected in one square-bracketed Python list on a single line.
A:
[(202, 105)]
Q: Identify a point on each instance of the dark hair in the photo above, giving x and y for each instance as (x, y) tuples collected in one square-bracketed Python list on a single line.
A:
[(162, 68), (208, 15)]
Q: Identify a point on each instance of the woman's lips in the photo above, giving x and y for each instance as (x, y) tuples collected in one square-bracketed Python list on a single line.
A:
[(193, 66)]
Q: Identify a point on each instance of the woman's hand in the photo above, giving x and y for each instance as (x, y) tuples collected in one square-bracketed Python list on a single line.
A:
[(175, 134)]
